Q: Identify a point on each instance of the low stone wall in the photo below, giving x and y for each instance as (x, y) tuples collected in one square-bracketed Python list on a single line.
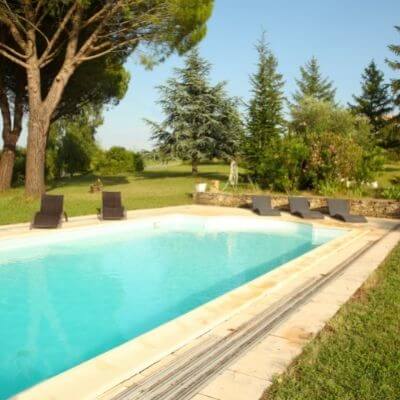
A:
[(378, 208)]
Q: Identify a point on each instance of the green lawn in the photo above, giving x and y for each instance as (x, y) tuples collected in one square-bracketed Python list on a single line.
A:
[(390, 175), (357, 355), (158, 187)]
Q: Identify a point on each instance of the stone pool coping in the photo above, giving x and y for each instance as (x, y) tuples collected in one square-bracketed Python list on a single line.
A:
[(109, 372), (250, 375)]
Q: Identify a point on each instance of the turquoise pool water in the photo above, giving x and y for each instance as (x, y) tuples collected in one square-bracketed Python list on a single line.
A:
[(64, 302)]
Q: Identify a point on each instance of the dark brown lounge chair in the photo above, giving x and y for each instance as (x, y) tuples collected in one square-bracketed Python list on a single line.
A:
[(300, 206), (112, 208), (340, 209), (262, 206), (51, 212)]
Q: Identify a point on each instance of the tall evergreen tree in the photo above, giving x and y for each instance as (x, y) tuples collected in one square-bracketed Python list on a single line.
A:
[(375, 100), (395, 65), (201, 120), (265, 116), (312, 84)]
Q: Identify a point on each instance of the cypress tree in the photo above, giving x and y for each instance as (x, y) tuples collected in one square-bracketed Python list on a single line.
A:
[(375, 100), (265, 116), (312, 84)]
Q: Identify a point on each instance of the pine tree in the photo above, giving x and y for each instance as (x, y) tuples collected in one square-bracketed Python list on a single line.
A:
[(375, 100), (265, 116), (395, 65), (313, 85), (201, 120)]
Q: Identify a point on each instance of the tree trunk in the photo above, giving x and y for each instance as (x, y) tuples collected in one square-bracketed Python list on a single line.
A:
[(6, 167), (195, 169), (11, 132), (38, 126), (42, 105)]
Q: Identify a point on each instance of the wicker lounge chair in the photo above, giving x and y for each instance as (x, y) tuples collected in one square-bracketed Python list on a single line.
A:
[(340, 209), (112, 208), (51, 212), (262, 206), (300, 206)]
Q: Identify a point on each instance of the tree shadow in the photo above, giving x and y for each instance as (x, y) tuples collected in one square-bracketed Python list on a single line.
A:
[(89, 179), (391, 169), (395, 180), (158, 174)]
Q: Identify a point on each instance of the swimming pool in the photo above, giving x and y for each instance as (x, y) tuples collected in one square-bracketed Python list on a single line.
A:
[(69, 296)]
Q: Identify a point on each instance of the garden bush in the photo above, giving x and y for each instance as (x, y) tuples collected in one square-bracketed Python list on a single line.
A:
[(392, 193), (280, 166), (324, 147), (118, 160)]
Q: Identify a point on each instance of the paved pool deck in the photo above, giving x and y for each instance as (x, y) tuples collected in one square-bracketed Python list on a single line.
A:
[(129, 367)]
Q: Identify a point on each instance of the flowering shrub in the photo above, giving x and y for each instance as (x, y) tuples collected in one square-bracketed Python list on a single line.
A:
[(324, 147)]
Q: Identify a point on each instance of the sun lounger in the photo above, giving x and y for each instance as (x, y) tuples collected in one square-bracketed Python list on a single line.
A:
[(112, 208), (340, 209), (51, 212), (262, 206), (300, 206)]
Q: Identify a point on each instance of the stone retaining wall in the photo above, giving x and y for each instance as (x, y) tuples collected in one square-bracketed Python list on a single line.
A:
[(378, 208)]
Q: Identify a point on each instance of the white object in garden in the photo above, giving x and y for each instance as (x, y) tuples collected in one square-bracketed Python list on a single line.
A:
[(374, 185), (201, 187), (349, 183), (234, 173)]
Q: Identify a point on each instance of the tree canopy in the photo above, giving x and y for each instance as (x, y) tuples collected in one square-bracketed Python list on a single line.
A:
[(201, 120), (96, 83), (61, 35), (265, 122), (395, 65), (73, 140), (312, 84), (375, 100)]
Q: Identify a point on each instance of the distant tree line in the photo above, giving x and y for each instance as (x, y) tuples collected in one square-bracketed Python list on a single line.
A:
[(72, 149), (57, 69), (308, 142), (320, 145)]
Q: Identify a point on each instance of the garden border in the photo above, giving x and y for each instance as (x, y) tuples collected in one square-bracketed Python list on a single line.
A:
[(377, 208)]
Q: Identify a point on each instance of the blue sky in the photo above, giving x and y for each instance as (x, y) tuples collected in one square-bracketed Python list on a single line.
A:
[(343, 34)]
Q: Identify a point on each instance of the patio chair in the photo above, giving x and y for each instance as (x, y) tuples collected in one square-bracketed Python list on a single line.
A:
[(51, 213), (300, 206), (112, 208), (340, 209), (261, 205)]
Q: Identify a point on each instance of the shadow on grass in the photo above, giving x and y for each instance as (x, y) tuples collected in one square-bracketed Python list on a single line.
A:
[(395, 180), (89, 179), (391, 168), (182, 174)]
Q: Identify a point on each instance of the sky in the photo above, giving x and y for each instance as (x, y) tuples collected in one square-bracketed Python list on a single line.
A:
[(345, 35)]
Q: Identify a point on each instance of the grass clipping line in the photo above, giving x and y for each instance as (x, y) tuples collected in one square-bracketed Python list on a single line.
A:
[(357, 354)]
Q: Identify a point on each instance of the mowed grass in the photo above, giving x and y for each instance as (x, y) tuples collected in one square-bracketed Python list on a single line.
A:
[(357, 356), (158, 186), (390, 175)]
